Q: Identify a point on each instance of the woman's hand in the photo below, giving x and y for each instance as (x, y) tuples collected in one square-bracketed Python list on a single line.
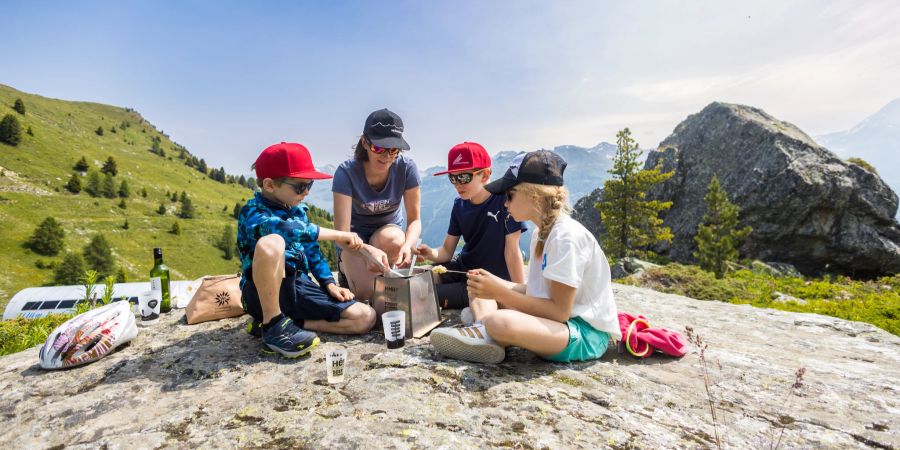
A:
[(379, 255), (426, 252), (338, 293), (485, 284), (404, 258)]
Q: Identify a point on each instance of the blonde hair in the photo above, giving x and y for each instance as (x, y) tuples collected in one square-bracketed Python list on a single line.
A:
[(550, 201)]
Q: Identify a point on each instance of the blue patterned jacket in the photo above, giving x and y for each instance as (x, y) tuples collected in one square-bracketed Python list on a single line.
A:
[(261, 217)]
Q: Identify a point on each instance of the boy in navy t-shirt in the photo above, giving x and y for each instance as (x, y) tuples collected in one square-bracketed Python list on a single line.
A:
[(481, 219)]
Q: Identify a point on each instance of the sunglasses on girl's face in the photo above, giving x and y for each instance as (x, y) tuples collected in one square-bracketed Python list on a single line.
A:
[(462, 178), (509, 195), (379, 150), (300, 188)]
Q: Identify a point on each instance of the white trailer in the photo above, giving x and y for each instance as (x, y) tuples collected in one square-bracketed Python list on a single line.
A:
[(40, 301)]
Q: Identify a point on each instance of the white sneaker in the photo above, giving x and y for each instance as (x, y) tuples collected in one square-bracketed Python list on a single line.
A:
[(468, 344), (466, 317)]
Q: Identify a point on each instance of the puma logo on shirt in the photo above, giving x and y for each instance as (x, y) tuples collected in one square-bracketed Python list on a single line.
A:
[(494, 215)]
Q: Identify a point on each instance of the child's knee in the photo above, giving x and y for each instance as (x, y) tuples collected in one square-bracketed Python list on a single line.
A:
[(270, 246), (362, 315), (498, 326)]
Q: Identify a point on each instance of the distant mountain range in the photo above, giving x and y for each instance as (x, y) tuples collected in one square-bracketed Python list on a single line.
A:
[(875, 140), (586, 171)]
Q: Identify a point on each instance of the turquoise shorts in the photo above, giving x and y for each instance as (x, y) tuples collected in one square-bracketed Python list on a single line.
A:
[(585, 342)]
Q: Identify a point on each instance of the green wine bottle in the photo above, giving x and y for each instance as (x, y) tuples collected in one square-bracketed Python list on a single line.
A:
[(159, 280)]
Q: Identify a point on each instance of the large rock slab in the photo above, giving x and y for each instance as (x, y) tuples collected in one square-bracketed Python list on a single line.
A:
[(807, 207), (209, 386)]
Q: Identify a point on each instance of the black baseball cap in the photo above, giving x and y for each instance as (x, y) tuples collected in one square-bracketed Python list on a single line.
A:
[(538, 167), (385, 129)]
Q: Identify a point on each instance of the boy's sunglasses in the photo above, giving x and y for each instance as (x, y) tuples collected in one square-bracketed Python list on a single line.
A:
[(462, 178), (300, 188)]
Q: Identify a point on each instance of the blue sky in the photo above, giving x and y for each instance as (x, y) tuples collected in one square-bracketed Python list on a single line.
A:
[(226, 79)]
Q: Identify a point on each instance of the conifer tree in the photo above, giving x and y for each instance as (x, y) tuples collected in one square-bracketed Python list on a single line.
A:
[(227, 242), (99, 131), (70, 270), (10, 130), (110, 166), (144, 192), (120, 276), (108, 187), (718, 238), (92, 187), (124, 190), (187, 208), (176, 229), (631, 221), (174, 197), (74, 184), (29, 131), (122, 204), (162, 209), (98, 256), (242, 181), (19, 106), (82, 165), (125, 225), (48, 238)]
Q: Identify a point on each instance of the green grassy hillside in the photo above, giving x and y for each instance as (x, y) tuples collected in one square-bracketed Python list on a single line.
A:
[(35, 172)]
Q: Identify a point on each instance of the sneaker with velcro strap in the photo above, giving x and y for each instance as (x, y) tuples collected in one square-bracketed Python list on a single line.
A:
[(286, 338), (468, 344)]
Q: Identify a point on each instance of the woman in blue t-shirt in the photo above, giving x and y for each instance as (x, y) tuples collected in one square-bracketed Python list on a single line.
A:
[(368, 191)]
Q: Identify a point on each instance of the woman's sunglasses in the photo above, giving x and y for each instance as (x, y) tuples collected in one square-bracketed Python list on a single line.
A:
[(462, 178), (379, 150), (300, 188)]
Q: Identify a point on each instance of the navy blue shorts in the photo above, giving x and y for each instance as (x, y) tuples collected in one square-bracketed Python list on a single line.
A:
[(300, 299)]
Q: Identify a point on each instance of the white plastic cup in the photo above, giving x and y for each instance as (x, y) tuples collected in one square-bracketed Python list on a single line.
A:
[(394, 328), (336, 364), (148, 303)]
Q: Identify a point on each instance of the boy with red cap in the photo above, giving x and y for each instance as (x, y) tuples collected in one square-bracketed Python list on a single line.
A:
[(481, 219), (279, 247)]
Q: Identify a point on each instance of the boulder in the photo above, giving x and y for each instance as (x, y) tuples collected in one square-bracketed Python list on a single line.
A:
[(209, 385), (807, 207), (629, 266)]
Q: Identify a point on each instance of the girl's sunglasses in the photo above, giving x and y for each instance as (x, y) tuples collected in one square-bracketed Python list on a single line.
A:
[(300, 188), (509, 195), (462, 178)]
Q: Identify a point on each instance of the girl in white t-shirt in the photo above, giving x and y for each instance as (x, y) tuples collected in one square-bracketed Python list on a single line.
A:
[(565, 311)]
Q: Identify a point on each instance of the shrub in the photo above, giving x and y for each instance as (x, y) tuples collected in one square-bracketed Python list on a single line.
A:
[(125, 225), (110, 166), (98, 256), (70, 270), (93, 184), (30, 132), (162, 209), (187, 208), (122, 204), (10, 130), (74, 184), (108, 188), (863, 163), (21, 334), (176, 229), (82, 165), (48, 238), (144, 192), (237, 210), (99, 131), (19, 106), (124, 190)]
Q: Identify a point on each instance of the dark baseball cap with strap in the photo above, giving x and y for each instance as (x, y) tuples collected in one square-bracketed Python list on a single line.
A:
[(538, 167), (385, 129)]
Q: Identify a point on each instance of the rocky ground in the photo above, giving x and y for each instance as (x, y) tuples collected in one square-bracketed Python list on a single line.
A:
[(208, 385)]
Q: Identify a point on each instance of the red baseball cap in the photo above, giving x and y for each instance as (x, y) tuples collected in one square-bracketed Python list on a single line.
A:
[(287, 159), (466, 156)]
